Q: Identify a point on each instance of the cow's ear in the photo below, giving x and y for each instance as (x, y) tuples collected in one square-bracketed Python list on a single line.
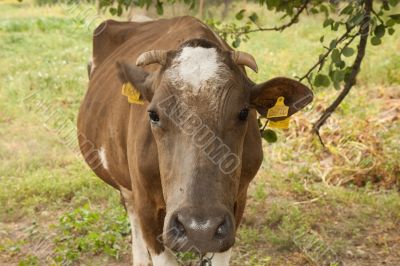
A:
[(141, 80), (265, 95)]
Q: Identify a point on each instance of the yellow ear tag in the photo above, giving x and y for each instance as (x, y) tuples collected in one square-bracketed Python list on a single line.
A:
[(132, 94), (279, 110), (282, 124)]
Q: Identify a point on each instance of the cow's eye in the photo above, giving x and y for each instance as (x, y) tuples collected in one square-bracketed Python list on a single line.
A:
[(243, 114), (154, 116)]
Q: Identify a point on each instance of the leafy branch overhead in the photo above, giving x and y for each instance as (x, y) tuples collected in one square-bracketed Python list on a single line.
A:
[(353, 22), (117, 7)]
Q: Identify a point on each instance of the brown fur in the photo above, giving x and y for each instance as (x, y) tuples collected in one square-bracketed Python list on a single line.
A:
[(107, 120)]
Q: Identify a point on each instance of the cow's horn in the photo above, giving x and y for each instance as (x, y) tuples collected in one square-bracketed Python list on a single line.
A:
[(152, 57), (243, 58)]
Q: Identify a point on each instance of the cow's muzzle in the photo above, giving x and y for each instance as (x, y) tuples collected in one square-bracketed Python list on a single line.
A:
[(188, 229)]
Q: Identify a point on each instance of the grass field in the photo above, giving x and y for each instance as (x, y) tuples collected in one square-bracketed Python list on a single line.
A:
[(307, 206)]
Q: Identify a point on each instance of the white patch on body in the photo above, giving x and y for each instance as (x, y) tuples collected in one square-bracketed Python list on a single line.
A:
[(92, 66), (165, 258), (103, 158), (221, 259), (139, 247)]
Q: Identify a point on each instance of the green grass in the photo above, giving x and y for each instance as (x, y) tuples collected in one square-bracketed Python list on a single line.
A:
[(55, 211)]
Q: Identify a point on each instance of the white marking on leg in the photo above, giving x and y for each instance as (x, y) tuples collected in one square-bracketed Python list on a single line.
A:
[(221, 259), (165, 258), (103, 158), (139, 247)]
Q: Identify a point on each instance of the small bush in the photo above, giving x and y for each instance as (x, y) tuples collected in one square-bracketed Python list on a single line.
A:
[(88, 231)]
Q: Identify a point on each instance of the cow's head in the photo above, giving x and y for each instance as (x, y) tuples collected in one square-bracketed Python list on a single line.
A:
[(200, 105)]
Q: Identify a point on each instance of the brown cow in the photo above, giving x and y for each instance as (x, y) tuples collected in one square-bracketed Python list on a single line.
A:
[(184, 158)]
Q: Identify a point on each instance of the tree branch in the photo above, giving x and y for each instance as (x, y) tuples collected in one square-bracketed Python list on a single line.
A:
[(350, 40), (355, 69), (282, 27), (327, 53), (377, 16)]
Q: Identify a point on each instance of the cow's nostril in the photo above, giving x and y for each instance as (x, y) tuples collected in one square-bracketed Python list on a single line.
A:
[(191, 230), (222, 230), (179, 228)]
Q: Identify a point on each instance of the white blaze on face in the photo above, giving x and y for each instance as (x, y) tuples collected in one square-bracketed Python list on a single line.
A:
[(196, 67), (103, 159), (198, 64)]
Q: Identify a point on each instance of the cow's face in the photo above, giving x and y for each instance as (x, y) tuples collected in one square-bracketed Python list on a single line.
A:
[(199, 110)]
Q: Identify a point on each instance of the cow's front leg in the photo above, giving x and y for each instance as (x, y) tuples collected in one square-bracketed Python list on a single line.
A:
[(165, 258), (146, 239), (140, 253), (220, 259)]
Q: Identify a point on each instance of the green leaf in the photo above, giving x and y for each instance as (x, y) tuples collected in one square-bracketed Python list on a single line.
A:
[(113, 11), (239, 15), (393, 3), (340, 64), (396, 18), (348, 70), (336, 85), (391, 31), (390, 23), (253, 17), (336, 56), (159, 7), (314, 10), (385, 5), (322, 38), (379, 31), (376, 41), (335, 26), (148, 3), (347, 51), (322, 80), (236, 43), (338, 76), (355, 19), (119, 10), (269, 135), (324, 9), (347, 10), (271, 4), (333, 44), (328, 22)]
